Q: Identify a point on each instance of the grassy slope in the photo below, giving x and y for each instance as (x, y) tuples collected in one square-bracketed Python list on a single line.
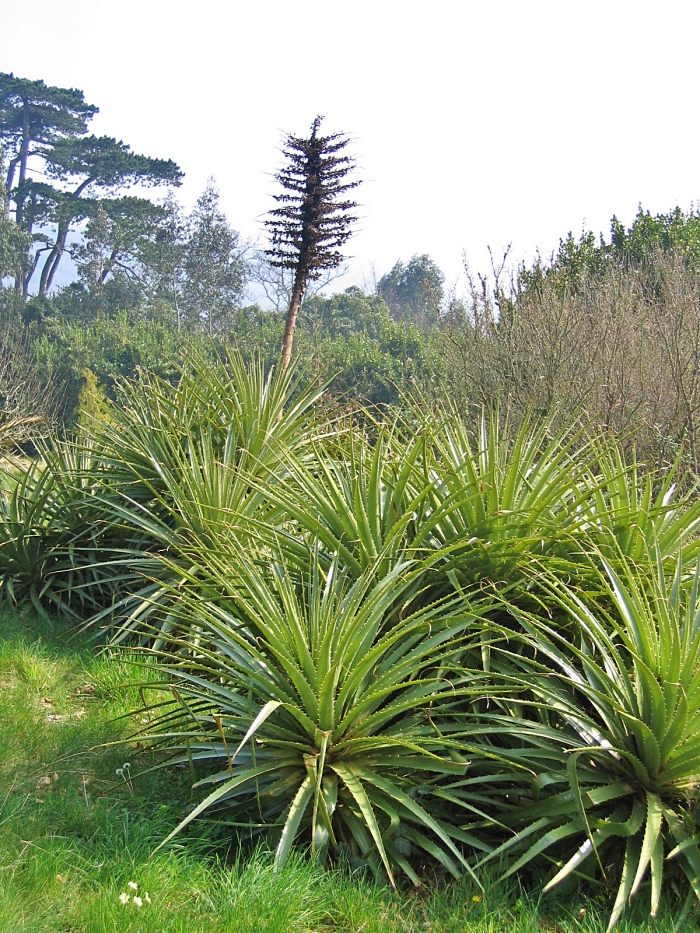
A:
[(73, 834)]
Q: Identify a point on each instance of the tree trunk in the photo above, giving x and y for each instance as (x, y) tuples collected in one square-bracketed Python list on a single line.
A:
[(23, 285), (300, 280), (23, 157), (11, 166), (20, 287), (54, 258), (51, 265), (108, 266)]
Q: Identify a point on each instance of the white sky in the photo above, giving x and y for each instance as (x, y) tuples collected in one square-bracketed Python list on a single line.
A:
[(474, 123)]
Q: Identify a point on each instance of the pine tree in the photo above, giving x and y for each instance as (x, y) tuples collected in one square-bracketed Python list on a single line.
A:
[(56, 173), (313, 219)]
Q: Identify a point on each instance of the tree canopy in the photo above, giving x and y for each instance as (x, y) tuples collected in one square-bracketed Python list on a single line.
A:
[(215, 270), (57, 174), (414, 291)]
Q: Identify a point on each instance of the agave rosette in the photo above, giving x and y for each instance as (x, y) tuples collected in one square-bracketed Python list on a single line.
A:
[(609, 715), (316, 699)]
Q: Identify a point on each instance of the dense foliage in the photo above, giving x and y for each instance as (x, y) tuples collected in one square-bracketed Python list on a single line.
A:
[(76, 826), (414, 291), (429, 598), (609, 330), (413, 640)]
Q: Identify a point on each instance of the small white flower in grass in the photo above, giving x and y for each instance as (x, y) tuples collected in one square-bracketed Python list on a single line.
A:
[(125, 774), (123, 899), (146, 898), (133, 886), (138, 901)]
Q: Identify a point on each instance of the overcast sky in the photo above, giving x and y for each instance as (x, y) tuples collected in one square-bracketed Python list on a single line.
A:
[(474, 123)]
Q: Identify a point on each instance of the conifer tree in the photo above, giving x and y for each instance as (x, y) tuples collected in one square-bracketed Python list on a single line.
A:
[(56, 173), (313, 218)]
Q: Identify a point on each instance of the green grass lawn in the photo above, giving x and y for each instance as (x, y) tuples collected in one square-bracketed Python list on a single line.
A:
[(74, 833)]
